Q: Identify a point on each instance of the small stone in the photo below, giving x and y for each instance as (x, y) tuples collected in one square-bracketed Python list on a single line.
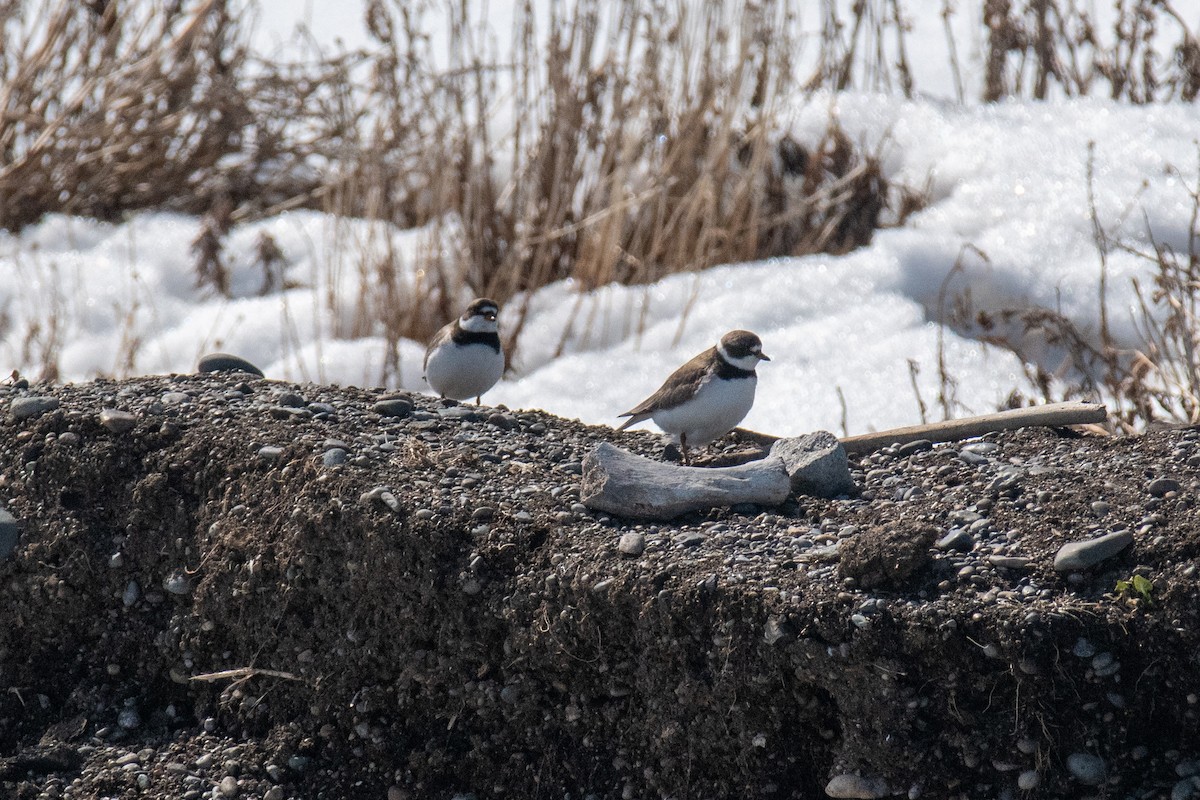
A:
[(1088, 553), (9, 533), (1027, 780), (129, 718), (274, 793), (177, 583), (981, 448), (1086, 768), (1101, 507), (915, 446), (393, 407), (1009, 562), (632, 544), (118, 421), (228, 786), (291, 400), (29, 407), (1083, 648), (956, 539), (483, 514), (856, 786), (176, 398), (132, 593), (226, 362), (334, 457), (270, 453), (1161, 486)]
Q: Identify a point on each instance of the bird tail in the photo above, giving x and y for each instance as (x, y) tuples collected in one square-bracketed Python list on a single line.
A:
[(633, 419)]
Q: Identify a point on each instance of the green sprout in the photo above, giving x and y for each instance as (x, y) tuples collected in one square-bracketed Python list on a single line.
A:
[(1137, 588)]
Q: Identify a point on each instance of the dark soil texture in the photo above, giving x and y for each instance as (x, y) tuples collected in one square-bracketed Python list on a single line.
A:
[(244, 588)]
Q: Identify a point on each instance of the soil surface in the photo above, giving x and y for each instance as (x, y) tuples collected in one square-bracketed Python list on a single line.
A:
[(240, 588)]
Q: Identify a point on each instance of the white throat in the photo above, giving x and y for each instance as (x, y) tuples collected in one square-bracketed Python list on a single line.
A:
[(478, 324), (745, 362)]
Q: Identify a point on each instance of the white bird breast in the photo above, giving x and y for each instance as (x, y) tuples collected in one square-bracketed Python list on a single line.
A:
[(716, 409), (462, 372)]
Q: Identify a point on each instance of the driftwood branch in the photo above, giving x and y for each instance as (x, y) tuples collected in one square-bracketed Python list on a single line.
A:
[(241, 673), (1052, 414), (629, 485)]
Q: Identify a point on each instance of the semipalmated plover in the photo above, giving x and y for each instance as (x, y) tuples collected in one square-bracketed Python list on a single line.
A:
[(708, 396), (465, 359)]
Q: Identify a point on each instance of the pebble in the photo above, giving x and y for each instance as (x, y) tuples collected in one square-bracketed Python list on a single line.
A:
[(1087, 768), (856, 786), (1161, 486), (9, 533), (632, 544), (177, 583), (270, 453), (334, 457), (226, 362), (29, 407), (129, 718), (981, 448), (956, 539), (176, 398), (1088, 553), (274, 793), (228, 786), (393, 407), (1009, 562), (1028, 780), (118, 421), (483, 513), (132, 593), (915, 446)]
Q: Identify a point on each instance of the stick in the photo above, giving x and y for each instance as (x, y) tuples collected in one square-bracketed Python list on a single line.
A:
[(1053, 414), (244, 672)]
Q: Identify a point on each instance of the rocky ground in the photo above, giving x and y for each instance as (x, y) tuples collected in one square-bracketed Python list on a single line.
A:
[(221, 586)]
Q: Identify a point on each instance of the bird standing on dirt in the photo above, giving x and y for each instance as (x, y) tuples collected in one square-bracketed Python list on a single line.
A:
[(708, 396), (465, 359)]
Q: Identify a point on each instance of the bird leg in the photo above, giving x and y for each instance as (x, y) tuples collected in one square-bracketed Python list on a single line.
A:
[(478, 399), (683, 449)]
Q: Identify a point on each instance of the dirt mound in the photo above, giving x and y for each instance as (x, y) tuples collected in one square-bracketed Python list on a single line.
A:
[(242, 588)]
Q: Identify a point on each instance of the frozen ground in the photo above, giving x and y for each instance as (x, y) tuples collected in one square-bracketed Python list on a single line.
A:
[(1008, 179)]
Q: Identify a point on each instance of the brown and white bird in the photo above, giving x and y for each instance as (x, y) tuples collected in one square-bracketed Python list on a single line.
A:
[(708, 396), (465, 359)]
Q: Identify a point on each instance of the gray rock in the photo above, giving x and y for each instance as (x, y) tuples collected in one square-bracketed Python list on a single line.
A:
[(915, 446), (334, 457), (816, 463), (632, 544), (29, 407), (956, 539), (1028, 780), (227, 362), (132, 593), (118, 421), (9, 532), (393, 407), (856, 786), (177, 583), (270, 453), (1161, 486), (129, 718), (1086, 768), (1088, 553), (1009, 562)]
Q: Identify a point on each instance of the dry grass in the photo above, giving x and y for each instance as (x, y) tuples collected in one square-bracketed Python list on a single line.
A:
[(621, 141), (1155, 382)]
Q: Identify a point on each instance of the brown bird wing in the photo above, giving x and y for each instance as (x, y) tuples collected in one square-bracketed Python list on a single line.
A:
[(677, 389), (438, 338)]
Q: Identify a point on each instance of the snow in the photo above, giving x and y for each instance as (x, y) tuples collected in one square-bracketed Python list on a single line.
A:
[(1009, 193)]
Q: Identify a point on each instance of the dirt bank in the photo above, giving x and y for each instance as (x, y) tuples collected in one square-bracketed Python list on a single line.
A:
[(242, 588)]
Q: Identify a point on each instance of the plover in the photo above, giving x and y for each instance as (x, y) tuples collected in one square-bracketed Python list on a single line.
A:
[(465, 359), (708, 396)]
